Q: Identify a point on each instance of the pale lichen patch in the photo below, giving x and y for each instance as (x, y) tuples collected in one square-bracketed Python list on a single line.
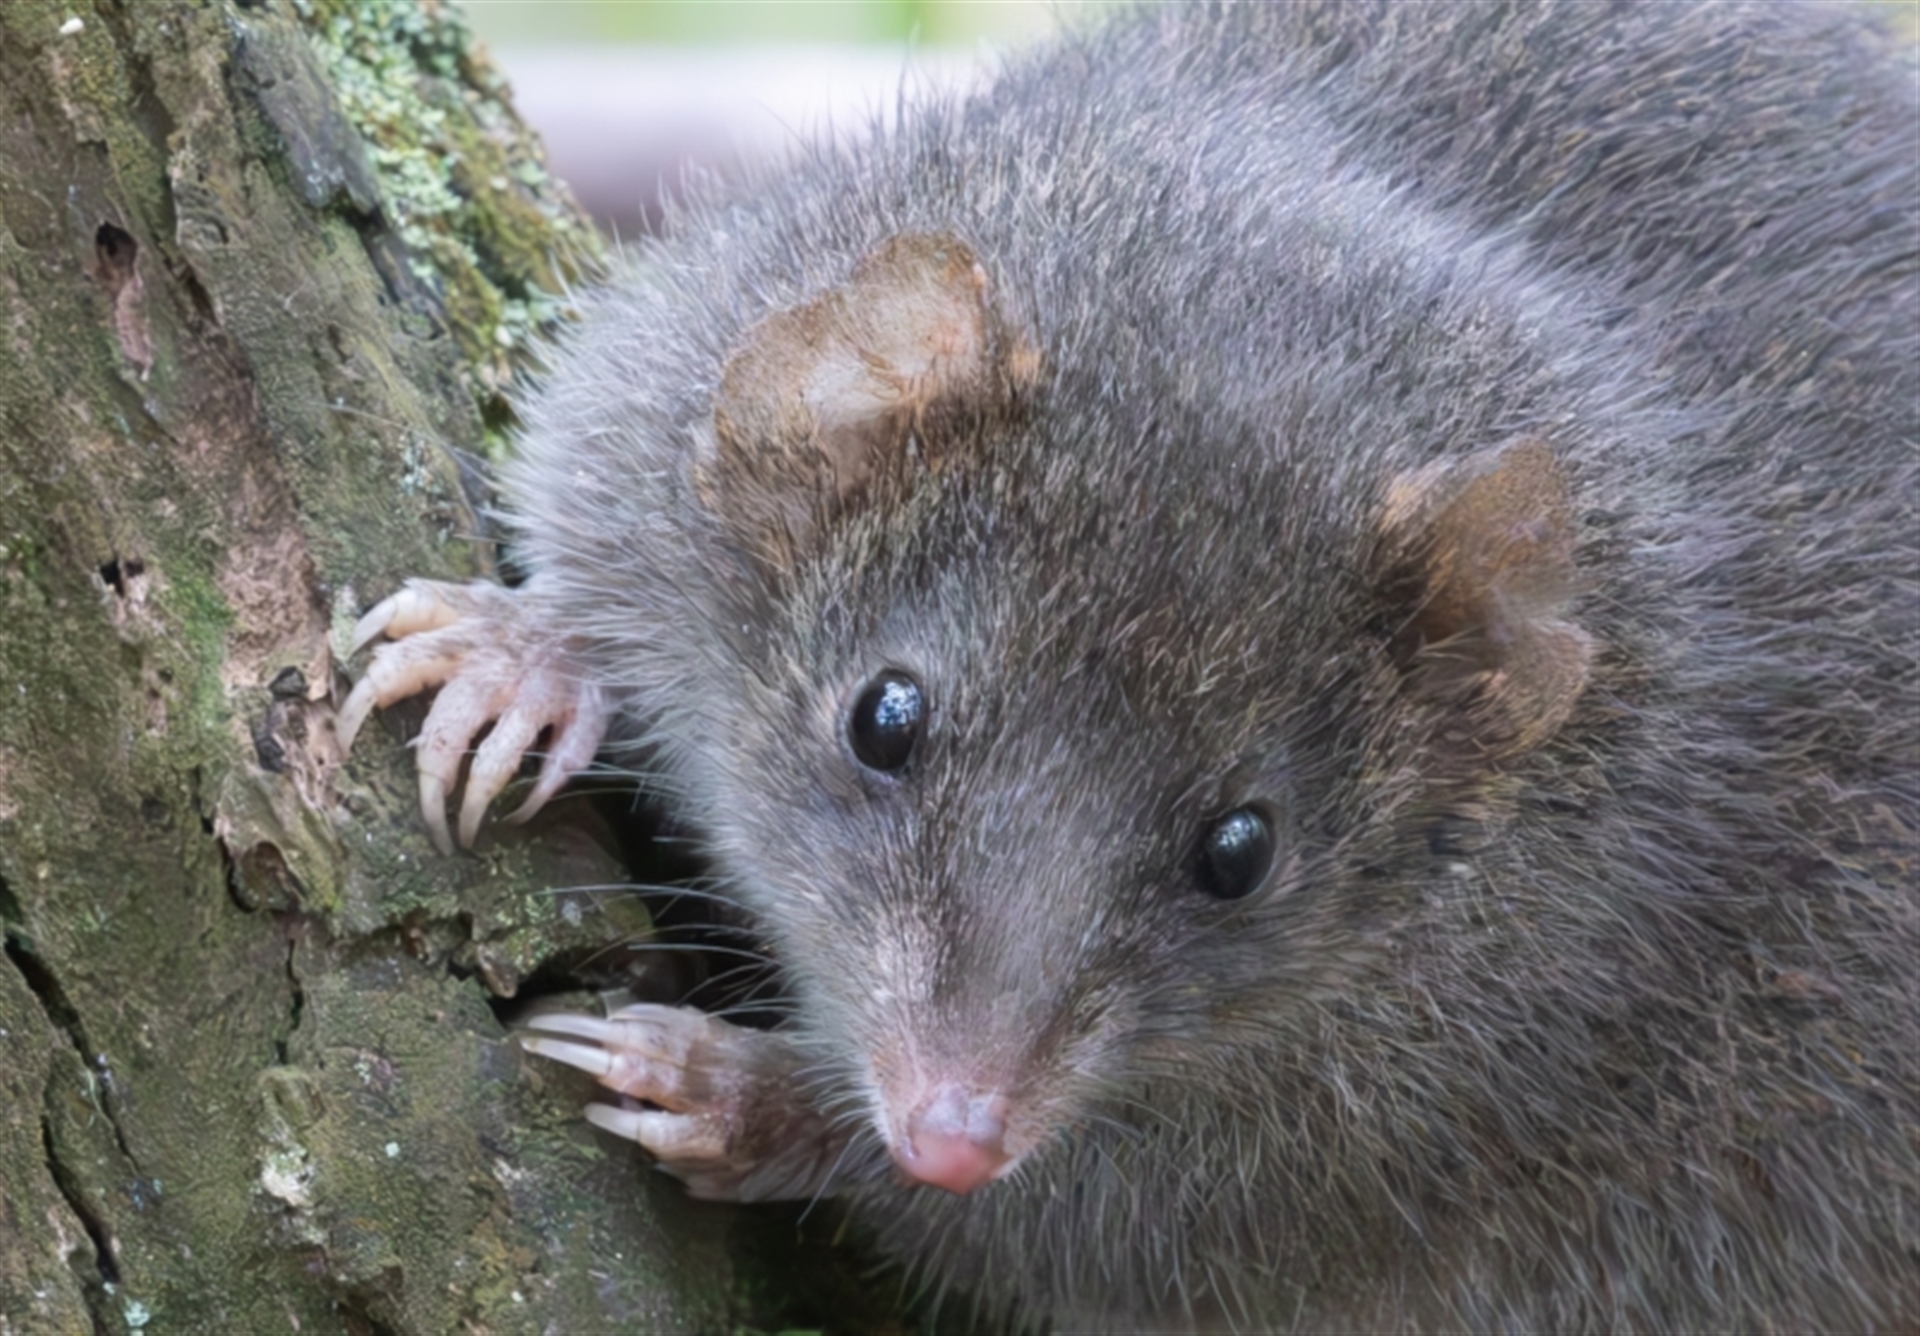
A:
[(463, 182)]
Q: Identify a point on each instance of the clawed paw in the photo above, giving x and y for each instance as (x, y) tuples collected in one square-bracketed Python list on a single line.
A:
[(729, 1122), (469, 641)]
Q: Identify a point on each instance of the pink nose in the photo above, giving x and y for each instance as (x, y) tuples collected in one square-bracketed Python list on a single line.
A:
[(955, 1140)]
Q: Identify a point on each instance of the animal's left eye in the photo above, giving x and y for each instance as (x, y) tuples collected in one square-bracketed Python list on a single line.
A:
[(886, 720), (1235, 854)]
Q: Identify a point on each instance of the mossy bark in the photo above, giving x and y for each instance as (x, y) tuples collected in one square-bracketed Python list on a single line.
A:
[(251, 1074)]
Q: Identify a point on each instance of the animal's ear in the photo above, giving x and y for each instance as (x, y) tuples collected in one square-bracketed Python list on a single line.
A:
[(1476, 564), (904, 364)]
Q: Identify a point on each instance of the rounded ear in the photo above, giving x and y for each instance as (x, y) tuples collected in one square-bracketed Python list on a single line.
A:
[(908, 360), (1475, 561)]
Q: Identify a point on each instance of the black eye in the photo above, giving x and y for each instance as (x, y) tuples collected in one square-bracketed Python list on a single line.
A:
[(1235, 854), (886, 720)]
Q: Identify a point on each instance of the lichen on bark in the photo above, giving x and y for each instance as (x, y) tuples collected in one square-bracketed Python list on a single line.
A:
[(465, 185)]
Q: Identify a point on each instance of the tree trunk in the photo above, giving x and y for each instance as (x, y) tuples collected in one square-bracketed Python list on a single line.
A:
[(262, 262)]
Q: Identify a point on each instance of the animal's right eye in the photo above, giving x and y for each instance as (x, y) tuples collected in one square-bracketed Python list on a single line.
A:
[(1236, 853), (886, 721)]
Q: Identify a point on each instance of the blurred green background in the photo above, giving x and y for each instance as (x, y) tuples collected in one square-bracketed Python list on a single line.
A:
[(933, 22)]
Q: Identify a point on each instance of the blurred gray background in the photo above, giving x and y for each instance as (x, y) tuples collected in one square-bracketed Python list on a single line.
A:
[(630, 95)]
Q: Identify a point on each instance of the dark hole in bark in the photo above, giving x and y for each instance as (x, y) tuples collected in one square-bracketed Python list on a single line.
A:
[(116, 573), (116, 251)]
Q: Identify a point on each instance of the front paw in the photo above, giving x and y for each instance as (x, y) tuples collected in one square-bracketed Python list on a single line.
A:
[(472, 641), (731, 1121)]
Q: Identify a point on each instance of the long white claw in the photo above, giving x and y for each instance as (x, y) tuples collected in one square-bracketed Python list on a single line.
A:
[(466, 704), (397, 671), (674, 1137), (494, 766), (573, 1023), (678, 1059), (595, 1061), (575, 742), (420, 605), (353, 714), (628, 1123), (433, 811), (373, 623)]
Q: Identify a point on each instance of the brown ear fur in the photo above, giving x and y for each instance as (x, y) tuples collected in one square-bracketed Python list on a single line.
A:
[(819, 400), (1476, 554)]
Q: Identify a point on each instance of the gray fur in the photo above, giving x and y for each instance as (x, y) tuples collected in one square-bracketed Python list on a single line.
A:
[(1620, 1033)]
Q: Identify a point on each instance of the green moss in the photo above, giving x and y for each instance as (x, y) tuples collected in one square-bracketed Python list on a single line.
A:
[(462, 181)]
